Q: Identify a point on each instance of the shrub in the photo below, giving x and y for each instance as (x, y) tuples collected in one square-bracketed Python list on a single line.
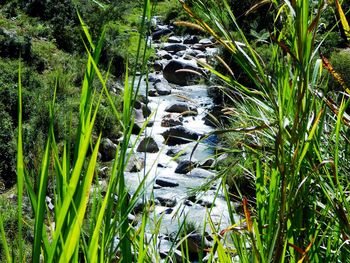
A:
[(7, 149), (340, 61)]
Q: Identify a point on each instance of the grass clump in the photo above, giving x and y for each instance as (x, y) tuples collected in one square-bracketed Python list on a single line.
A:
[(285, 136)]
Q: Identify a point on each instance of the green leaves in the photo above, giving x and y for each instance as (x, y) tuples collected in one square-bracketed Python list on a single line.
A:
[(20, 165), (343, 20)]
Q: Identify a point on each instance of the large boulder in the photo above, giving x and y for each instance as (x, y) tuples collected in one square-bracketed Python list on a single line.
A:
[(179, 135), (171, 120), (217, 94), (181, 72), (182, 108), (149, 145), (157, 66), (190, 39), (164, 54), (205, 41), (174, 39), (166, 182), (135, 164), (184, 167), (161, 32), (162, 87), (107, 149), (215, 117), (174, 47), (139, 121), (166, 201)]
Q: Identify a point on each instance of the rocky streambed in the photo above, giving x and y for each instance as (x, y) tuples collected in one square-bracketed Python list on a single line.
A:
[(176, 155)]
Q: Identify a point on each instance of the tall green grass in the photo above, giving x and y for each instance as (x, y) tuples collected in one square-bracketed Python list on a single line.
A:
[(290, 139)]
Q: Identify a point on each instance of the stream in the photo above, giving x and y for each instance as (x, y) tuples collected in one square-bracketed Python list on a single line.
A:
[(175, 160)]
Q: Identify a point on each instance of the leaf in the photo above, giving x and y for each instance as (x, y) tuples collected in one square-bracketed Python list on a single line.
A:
[(343, 20), (247, 215), (73, 237), (327, 65)]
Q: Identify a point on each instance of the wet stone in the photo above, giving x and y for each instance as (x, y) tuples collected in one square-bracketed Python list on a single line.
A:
[(179, 135), (166, 183), (149, 145), (162, 88), (167, 202), (157, 66), (184, 167), (152, 93), (190, 39), (182, 108), (175, 47), (171, 120), (174, 152), (174, 39)]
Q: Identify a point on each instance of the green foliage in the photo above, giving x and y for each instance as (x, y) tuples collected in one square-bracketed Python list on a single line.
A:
[(340, 61), (9, 210), (7, 149), (285, 138)]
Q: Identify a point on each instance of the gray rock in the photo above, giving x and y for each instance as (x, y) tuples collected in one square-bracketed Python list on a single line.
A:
[(171, 120), (164, 54), (163, 88), (149, 145), (172, 74), (216, 93), (174, 47), (174, 39), (174, 152), (200, 47), (107, 149), (139, 120), (165, 201), (135, 164), (182, 108), (184, 167), (201, 55), (161, 32), (205, 203), (201, 173), (205, 41), (166, 183), (207, 164), (180, 53), (146, 111), (197, 243), (215, 117), (179, 135), (190, 40), (153, 77), (152, 93), (157, 66)]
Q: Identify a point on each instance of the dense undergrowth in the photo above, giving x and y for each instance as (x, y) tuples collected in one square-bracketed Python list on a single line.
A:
[(288, 131)]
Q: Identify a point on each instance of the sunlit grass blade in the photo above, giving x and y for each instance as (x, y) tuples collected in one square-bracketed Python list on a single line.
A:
[(343, 20), (73, 235), (20, 166), (5, 246)]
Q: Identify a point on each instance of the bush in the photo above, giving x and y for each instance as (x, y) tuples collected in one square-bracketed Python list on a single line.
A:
[(340, 61), (7, 149)]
